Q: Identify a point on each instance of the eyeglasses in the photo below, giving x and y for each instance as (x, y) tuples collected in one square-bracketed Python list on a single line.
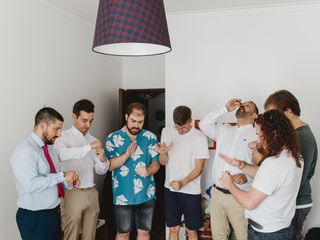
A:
[(181, 128)]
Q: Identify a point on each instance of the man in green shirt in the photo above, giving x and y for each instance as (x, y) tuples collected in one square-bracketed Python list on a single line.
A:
[(287, 103)]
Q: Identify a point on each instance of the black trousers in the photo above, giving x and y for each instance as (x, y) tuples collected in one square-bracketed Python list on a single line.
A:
[(39, 225)]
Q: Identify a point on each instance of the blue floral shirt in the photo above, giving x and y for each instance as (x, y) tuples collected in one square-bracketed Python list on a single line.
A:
[(128, 187)]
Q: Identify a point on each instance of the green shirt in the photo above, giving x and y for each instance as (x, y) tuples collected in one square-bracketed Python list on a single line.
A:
[(309, 152)]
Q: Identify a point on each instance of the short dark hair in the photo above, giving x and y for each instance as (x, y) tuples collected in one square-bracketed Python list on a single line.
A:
[(137, 106), (83, 105), (181, 115), (48, 115), (256, 109), (282, 100)]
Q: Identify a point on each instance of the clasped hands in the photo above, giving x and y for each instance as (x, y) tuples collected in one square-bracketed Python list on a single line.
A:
[(72, 178), (141, 171)]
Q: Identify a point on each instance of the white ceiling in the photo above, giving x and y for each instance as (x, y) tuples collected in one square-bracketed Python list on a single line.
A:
[(87, 9)]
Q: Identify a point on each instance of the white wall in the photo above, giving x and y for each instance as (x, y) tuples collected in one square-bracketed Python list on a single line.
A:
[(248, 54), (46, 58), (144, 72)]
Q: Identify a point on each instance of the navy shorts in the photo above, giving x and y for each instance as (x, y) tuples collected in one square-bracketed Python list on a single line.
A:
[(189, 205), (141, 215)]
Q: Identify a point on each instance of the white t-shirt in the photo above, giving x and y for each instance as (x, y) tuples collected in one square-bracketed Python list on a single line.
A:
[(183, 155), (279, 178)]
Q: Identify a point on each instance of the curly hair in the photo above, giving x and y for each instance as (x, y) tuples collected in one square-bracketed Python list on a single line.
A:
[(278, 133)]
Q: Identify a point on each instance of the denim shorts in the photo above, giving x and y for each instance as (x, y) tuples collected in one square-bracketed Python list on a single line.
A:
[(141, 215)]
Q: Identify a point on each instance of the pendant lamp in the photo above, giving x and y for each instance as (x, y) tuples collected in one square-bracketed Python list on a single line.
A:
[(131, 28)]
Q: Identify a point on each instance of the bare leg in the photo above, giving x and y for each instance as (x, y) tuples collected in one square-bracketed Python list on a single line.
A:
[(193, 234), (122, 236), (143, 235), (174, 233)]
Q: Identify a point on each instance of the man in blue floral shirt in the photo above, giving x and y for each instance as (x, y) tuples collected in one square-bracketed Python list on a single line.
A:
[(133, 160)]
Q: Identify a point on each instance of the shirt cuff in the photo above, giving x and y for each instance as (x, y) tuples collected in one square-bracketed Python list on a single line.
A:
[(60, 177), (102, 164)]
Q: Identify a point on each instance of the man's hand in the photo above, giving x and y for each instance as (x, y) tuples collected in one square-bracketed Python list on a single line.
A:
[(100, 154), (72, 178), (142, 172), (96, 144), (226, 180), (176, 185), (131, 149), (233, 104), (162, 148), (239, 178)]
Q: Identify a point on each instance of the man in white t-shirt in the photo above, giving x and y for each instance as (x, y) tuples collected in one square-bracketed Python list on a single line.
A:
[(183, 149), (232, 139)]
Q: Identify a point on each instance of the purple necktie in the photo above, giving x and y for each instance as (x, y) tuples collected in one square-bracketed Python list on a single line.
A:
[(53, 170)]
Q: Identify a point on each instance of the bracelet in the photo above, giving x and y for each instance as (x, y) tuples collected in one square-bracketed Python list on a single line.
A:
[(245, 164)]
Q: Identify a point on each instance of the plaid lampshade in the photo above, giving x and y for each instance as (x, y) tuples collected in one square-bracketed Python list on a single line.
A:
[(131, 28)]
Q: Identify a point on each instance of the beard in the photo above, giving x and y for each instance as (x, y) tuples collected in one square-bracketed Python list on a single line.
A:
[(241, 113), (47, 140), (133, 130)]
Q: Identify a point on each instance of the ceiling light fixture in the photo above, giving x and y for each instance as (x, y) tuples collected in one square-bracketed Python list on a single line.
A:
[(131, 28)]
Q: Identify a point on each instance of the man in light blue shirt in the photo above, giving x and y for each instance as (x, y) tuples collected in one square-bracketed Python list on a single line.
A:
[(133, 160), (39, 180)]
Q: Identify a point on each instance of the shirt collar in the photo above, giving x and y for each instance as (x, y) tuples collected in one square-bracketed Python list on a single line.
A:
[(125, 133), (76, 131), (37, 139), (246, 126)]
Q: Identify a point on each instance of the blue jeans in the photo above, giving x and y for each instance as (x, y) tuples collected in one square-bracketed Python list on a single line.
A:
[(39, 225), (282, 234)]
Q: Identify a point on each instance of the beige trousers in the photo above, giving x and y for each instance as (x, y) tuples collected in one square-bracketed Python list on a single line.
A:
[(79, 213), (225, 209)]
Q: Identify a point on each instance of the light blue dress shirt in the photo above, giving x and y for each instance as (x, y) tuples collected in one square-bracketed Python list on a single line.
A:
[(36, 186), (128, 187)]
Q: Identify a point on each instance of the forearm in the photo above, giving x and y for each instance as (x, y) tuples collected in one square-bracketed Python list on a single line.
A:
[(208, 123), (163, 158), (118, 162), (153, 168), (241, 196), (194, 173), (68, 153), (250, 169), (40, 183)]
